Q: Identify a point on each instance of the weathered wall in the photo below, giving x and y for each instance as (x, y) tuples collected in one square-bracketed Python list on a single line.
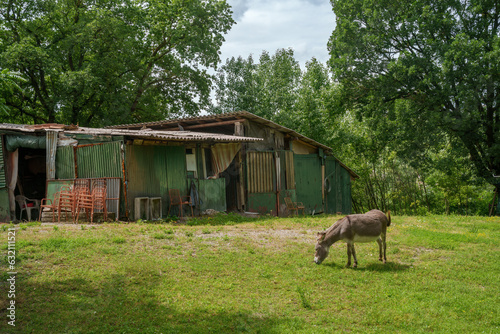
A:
[(152, 170)]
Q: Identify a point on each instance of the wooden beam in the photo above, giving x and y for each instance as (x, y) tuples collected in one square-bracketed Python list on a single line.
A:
[(213, 124)]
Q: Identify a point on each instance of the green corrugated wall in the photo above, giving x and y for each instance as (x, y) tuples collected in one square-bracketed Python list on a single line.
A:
[(337, 187), (308, 181), (99, 160), (65, 162), (152, 170)]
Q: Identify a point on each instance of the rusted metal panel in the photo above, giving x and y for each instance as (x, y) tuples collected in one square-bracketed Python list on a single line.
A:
[(99, 160), (260, 172), (289, 170), (51, 149)]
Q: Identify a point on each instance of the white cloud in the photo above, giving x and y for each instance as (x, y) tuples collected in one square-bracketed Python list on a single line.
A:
[(303, 25)]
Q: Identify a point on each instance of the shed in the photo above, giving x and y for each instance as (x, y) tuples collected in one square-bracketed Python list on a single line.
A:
[(282, 164), (37, 160)]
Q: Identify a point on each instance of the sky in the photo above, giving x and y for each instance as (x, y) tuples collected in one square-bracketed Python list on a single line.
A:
[(303, 25)]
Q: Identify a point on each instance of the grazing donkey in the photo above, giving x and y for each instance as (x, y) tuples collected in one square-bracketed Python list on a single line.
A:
[(366, 227)]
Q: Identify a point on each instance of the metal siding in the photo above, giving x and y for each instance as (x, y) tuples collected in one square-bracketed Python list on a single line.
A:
[(338, 199), (212, 194), (308, 181), (99, 160), (65, 162), (3, 181), (331, 185), (4, 206), (51, 149), (346, 192), (262, 203), (338, 187), (260, 172), (152, 170)]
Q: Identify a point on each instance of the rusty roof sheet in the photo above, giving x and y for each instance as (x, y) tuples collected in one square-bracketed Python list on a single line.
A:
[(193, 122), (163, 135), (181, 136)]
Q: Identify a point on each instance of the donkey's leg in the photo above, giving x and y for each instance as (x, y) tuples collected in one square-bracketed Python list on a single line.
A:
[(354, 256), (385, 247), (379, 241), (348, 255)]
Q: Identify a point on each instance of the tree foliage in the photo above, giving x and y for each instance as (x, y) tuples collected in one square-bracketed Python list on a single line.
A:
[(98, 62), (431, 64), (267, 88), (9, 84), (404, 164)]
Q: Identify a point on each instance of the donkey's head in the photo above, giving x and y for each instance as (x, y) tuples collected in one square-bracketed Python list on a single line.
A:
[(321, 248)]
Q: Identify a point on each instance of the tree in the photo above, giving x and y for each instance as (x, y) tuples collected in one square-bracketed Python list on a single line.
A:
[(430, 63), (99, 62), (268, 88), (310, 116), (8, 86), (235, 86), (278, 78)]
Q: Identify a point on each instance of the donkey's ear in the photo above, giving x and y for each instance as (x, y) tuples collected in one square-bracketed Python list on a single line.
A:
[(320, 236)]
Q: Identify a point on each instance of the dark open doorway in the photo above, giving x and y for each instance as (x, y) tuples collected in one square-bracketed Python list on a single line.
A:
[(31, 178)]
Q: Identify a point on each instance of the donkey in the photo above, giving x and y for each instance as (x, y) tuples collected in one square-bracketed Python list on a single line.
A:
[(366, 227)]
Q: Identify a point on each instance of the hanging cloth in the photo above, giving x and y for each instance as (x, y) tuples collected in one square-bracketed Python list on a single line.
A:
[(12, 173), (222, 155), (196, 201)]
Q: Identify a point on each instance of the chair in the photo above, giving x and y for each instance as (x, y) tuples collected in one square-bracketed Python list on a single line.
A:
[(50, 203), (99, 194), (84, 201), (27, 204), (67, 203), (177, 199), (294, 206)]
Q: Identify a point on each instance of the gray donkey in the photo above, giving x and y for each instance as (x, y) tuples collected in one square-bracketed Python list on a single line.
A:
[(365, 227)]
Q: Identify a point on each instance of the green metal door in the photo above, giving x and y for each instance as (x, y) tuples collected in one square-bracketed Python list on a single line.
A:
[(337, 187), (308, 181), (152, 170)]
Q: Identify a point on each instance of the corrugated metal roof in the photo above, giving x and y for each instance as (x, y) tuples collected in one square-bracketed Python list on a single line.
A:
[(164, 135), (181, 136), (199, 121), (191, 122)]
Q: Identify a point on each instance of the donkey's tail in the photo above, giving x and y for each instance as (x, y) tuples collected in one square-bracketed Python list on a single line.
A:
[(388, 214)]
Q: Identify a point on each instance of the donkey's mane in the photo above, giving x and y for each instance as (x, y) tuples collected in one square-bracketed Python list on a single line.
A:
[(329, 231)]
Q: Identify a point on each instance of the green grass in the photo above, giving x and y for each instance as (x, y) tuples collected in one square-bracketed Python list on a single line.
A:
[(230, 274)]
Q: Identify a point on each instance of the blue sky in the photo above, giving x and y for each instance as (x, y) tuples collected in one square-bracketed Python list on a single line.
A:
[(303, 25)]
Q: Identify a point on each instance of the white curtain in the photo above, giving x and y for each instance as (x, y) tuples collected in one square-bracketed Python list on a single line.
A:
[(12, 168), (222, 155)]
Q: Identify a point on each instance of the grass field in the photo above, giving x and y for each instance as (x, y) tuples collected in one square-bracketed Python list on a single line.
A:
[(240, 275)]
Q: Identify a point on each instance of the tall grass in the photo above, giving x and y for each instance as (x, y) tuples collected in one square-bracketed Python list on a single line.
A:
[(231, 274)]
